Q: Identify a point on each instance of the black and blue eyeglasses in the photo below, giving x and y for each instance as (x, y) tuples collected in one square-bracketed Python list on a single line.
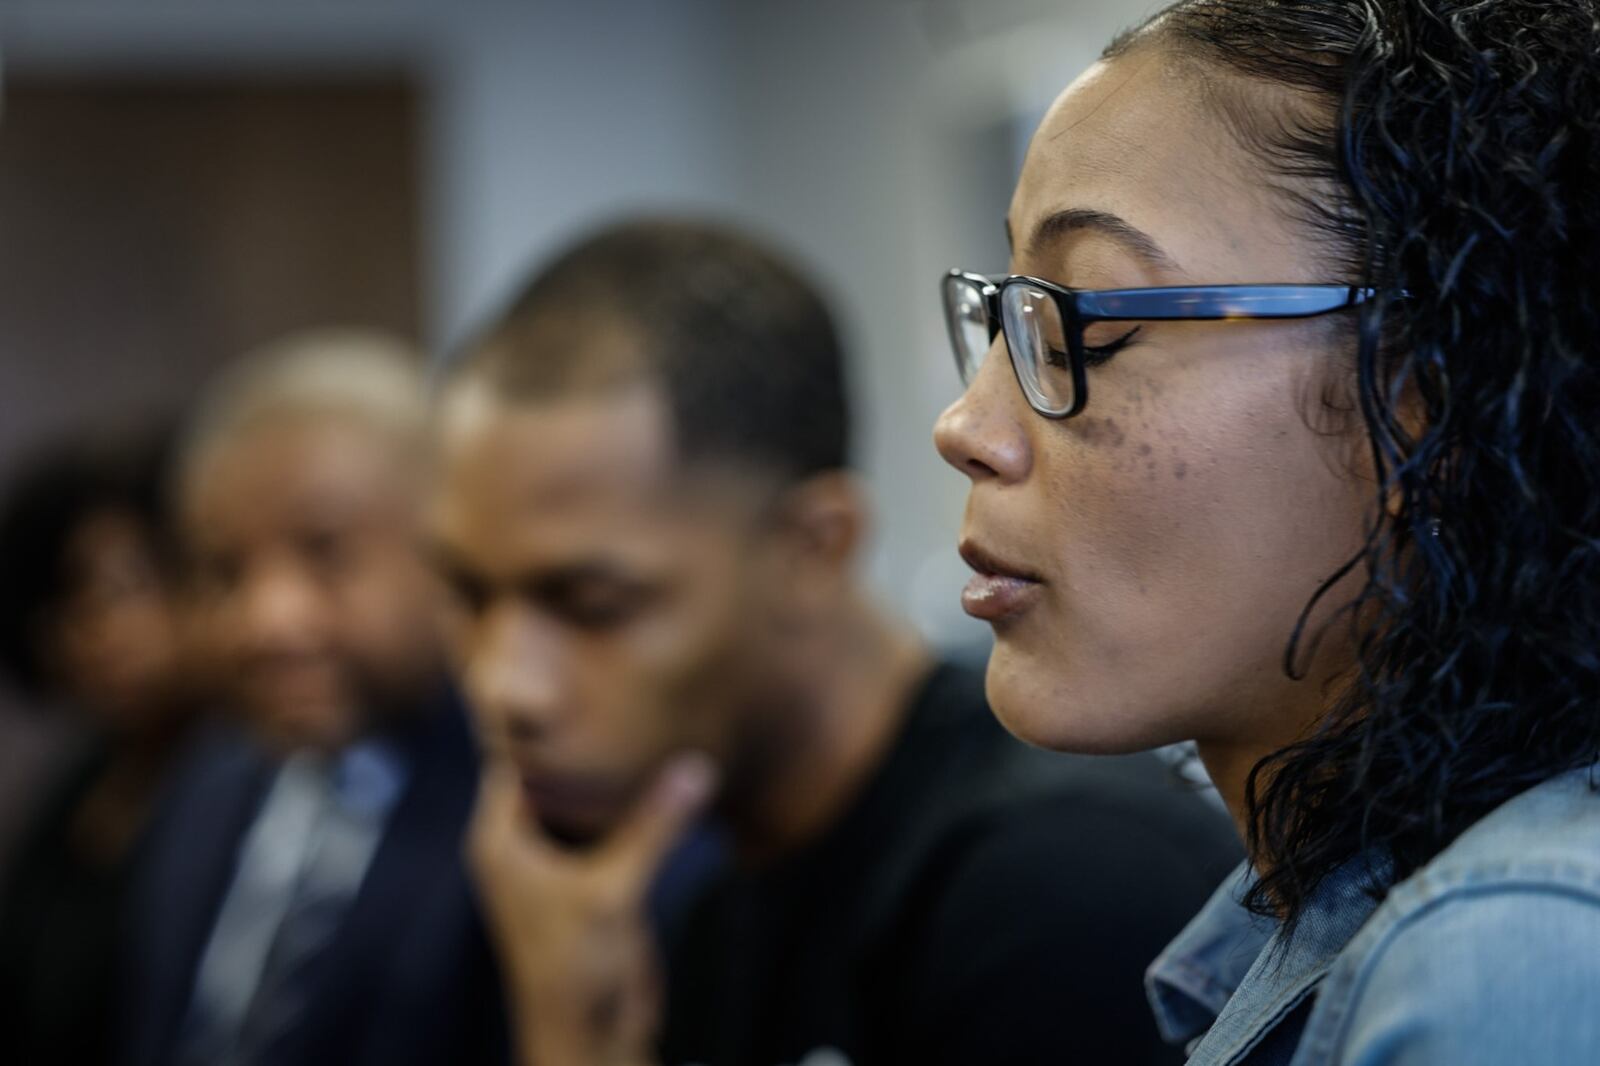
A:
[(1045, 323)]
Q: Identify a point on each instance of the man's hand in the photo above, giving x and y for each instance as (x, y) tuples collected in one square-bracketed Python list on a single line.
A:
[(570, 927)]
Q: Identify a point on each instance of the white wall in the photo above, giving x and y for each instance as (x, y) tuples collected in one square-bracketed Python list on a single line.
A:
[(882, 140), (542, 116), (552, 116), (878, 138)]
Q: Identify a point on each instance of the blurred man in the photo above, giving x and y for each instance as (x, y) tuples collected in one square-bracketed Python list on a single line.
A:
[(305, 900), (647, 519)]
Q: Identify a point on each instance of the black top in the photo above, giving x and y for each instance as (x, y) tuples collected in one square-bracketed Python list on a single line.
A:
[(980, 902), (60, 934)]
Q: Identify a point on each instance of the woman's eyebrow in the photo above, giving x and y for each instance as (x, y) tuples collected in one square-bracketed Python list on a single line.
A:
[(1058, 224)]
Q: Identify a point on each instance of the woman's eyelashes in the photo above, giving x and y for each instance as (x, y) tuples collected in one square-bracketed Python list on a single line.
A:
[(1096, 354), (1093, 354)]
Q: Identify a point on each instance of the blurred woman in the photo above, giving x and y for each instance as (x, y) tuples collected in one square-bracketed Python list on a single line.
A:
[(89, 621), (1283, 436)]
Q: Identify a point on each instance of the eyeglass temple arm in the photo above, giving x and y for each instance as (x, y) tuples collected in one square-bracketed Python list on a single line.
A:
[(1218, 302)]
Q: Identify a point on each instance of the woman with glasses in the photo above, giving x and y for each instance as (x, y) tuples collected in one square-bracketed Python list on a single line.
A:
[(1283, 435)]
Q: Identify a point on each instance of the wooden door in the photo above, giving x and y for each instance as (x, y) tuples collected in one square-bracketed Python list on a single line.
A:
[(151, 230)]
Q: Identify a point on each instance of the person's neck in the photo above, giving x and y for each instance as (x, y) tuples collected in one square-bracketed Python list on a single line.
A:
[(1229, 766), (1229, 761), (144, 753), (112, 812), (839, 727)]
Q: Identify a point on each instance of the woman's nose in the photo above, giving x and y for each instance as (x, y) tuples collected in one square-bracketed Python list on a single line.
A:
[(982, 434)]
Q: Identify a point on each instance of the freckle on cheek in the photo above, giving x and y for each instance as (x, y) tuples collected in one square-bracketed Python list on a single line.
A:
[(1145, 450), (1102, 431), (1180, 471)]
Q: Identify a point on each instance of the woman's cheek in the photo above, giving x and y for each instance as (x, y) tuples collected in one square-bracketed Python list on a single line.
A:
[(1158, 601), (1087, 674)]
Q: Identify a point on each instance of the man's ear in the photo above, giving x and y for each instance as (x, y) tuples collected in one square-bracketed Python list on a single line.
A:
[(819, 527)]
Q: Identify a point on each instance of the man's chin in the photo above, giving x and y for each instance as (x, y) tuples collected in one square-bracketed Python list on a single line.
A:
[(575, 836), (298, 729), (575, 811)]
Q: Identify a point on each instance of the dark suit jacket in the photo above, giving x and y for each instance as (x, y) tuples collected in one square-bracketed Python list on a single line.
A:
[(409, 978)]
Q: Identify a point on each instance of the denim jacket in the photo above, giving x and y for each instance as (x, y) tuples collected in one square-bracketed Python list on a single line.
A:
[(1489, 954)]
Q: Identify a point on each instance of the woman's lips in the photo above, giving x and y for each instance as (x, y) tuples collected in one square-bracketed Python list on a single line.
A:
[(998, 590), (993, 598)]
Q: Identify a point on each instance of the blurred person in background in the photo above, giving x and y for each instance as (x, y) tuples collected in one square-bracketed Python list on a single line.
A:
[(1285, 437), (646, 514), (304, 899), (90, 621)]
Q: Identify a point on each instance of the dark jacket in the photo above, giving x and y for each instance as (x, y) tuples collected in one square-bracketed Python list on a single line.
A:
[(60, 933), (409, 977)]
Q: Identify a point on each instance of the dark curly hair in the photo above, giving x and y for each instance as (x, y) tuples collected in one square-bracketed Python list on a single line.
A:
[(1449, 155), (56, 492)]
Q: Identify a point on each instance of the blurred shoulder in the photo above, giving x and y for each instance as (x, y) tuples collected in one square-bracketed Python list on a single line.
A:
[(216, 779), (216, 756)]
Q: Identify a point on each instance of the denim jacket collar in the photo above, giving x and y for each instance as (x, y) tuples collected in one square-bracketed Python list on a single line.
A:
[(1229, 978)]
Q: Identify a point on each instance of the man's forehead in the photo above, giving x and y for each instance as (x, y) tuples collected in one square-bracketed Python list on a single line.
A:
[(567, 449), (305, 458), (579, 483)]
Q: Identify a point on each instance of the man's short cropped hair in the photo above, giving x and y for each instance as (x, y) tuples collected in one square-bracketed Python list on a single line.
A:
[(741, 344)]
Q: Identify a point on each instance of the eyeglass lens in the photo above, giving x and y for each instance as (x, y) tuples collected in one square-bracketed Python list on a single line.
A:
[(1042, 357), (971, 332)]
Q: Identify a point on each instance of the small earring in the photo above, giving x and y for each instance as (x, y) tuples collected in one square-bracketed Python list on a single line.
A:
[(1434, 525)]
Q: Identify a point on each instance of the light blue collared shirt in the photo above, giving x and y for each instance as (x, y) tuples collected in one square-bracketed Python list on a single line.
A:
[(1490, 954)]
